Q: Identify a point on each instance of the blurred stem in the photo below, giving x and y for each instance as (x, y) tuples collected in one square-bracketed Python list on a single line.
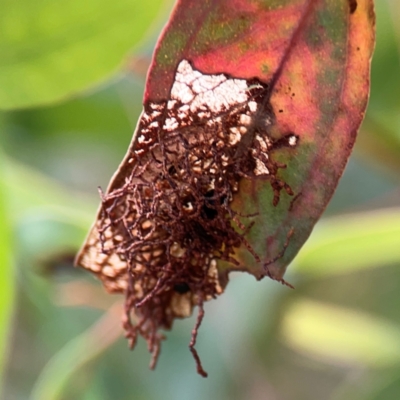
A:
[(394, 7), (379, 144), (368, 386), (76, 353)]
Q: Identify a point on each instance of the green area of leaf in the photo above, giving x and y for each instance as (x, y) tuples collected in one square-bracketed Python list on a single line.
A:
[(52, 49)]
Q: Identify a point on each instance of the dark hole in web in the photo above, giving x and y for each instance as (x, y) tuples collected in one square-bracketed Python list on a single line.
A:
[(209, 208), (353, 6), (181, 288), (286, 141), (202, 234), (172, 170)]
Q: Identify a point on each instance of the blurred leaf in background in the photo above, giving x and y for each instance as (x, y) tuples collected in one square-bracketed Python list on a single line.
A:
[(260, 340), (51, 50)]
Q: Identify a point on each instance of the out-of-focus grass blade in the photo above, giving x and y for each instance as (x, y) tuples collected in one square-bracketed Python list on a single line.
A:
[(47, 217), (75, 354), (341, 335), (32, 191), (352, 242), (6, 275)]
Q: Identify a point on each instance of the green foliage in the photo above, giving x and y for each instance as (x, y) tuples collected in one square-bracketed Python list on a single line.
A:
[(334, 337)]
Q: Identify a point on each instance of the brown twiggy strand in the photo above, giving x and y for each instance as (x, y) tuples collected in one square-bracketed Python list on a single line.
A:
[(166, 220)]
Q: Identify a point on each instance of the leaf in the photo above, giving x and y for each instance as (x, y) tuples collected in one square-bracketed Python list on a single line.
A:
[(301, 49), (236, 153), (51, 50)]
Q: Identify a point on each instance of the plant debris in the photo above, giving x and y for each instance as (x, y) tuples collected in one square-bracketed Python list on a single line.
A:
[(166, 219)]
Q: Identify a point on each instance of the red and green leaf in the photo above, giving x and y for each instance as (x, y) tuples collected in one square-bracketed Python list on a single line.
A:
[(315, 55)]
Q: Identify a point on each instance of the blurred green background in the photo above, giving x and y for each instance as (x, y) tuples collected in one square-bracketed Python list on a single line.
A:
[(71, 82)]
